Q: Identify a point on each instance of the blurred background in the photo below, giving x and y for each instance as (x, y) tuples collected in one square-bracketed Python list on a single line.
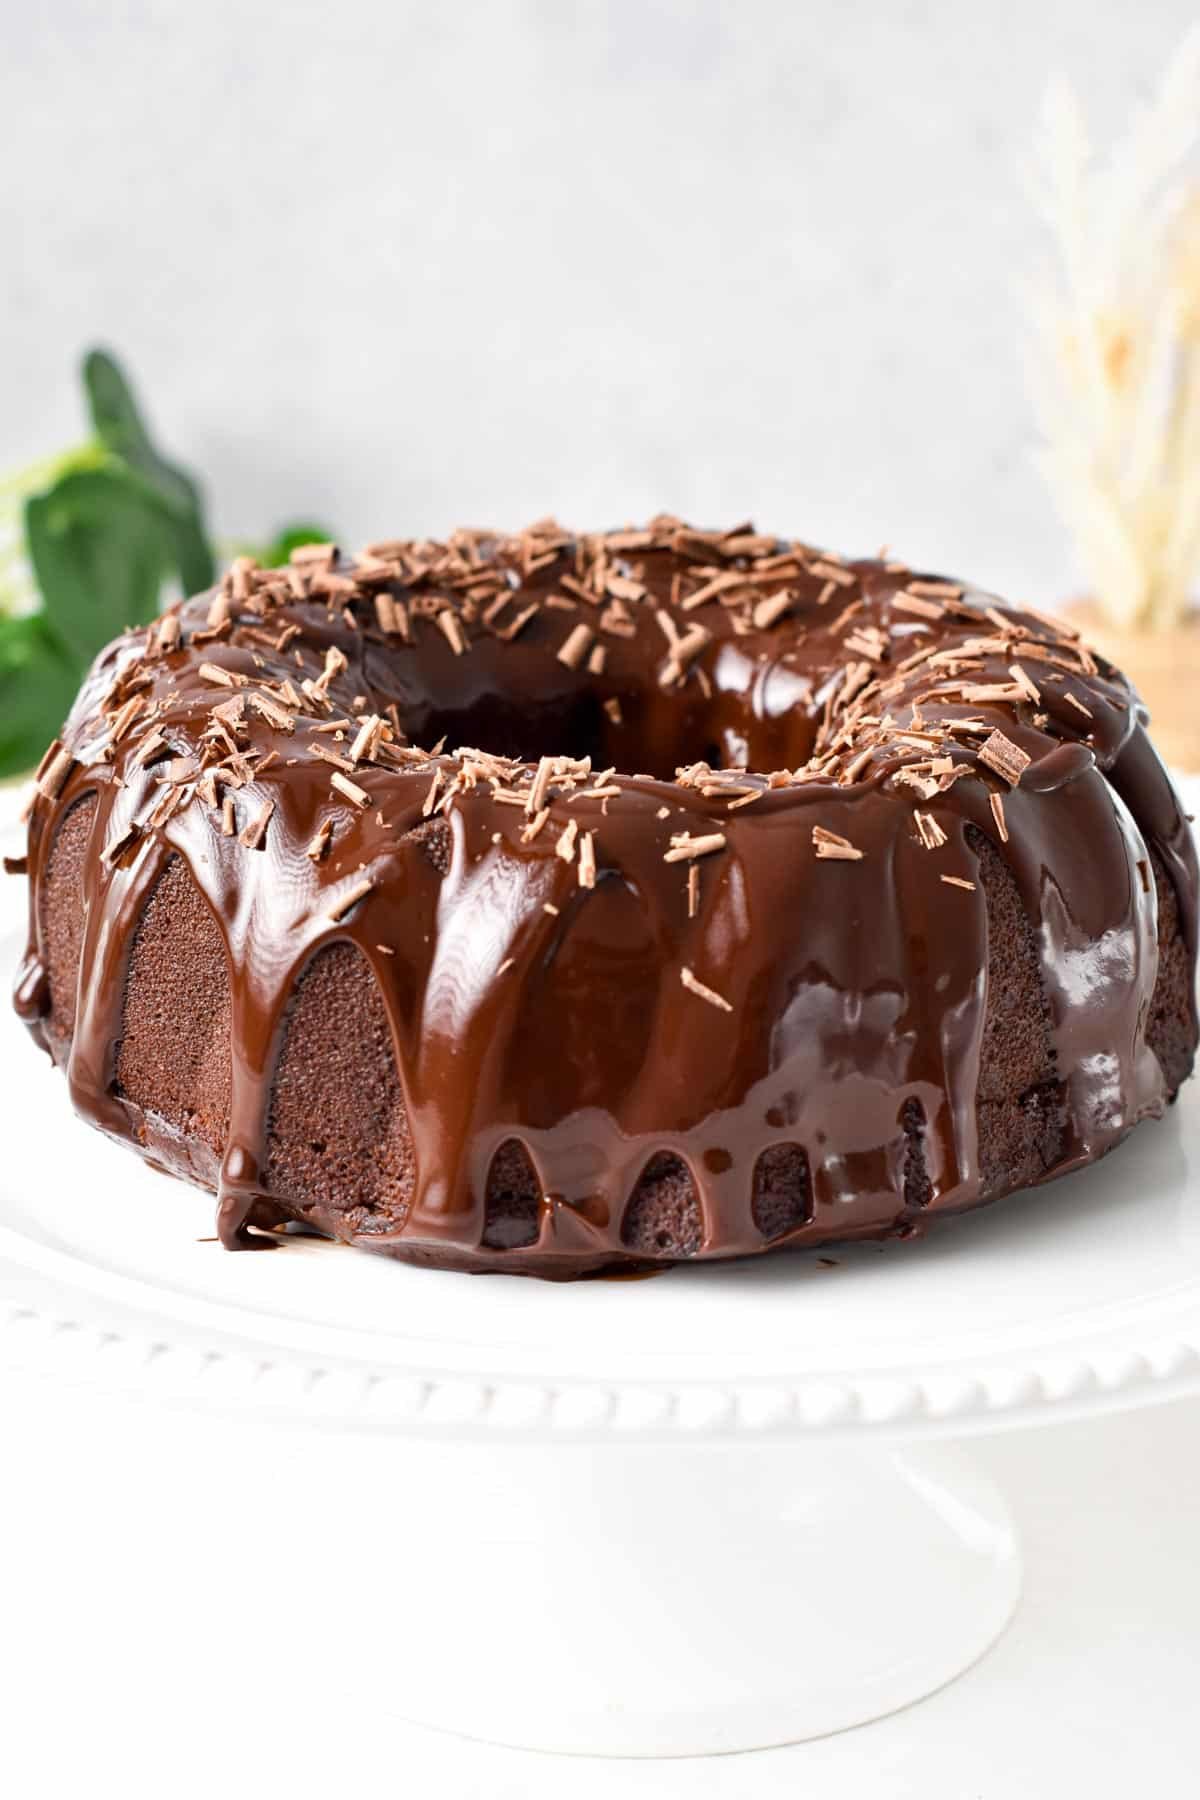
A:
[(402, 266), (393, 267)]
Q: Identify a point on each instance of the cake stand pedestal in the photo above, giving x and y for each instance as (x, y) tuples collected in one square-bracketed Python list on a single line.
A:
[(709, 1511), (678, 1600)]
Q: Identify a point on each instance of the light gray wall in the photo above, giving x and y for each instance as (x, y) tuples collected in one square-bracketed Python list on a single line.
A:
[(410, 265)]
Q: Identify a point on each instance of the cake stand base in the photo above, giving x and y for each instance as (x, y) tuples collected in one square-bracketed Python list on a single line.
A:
[(669, 1601)]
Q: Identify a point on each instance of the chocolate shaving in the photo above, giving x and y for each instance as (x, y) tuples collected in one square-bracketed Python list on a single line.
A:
[(685, 847), (324, 754), (349, 900), (929, 831), (517, 626), (320, 556), (254, 835), (431, 797), (830, 847), (695, 986), (769, 612), (936, 590), (358, 796), (335, 665), (684, 648), (918, 605), (276, 716), (831, 571), (1026, 683), (987, 693), (573, 651), (451, 629), (52, 776), (719, 584), (366, 743), (539, 785), (117, 846), (867, 641), (1006, 758)]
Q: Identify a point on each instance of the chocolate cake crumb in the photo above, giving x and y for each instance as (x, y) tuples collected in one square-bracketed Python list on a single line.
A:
[(512, 1204), (782, 1191), (61, 913), (663, 1214), (172, 1059), (434, 841), (339, 1145), (918, 1190)]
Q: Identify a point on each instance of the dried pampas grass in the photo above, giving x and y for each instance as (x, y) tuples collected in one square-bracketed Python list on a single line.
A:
[(1116, 345)]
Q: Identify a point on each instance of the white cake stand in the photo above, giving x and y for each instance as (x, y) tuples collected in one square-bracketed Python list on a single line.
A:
[(709, 1511)]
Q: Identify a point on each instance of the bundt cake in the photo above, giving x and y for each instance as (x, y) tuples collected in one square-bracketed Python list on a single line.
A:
[(781, 899)]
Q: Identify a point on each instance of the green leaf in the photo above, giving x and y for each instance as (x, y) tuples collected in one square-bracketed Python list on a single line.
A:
[(101, 545), (18, 593), (38, 680), (120, 427)]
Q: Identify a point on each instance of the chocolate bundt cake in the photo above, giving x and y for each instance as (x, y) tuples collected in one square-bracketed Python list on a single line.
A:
[(781, 900)]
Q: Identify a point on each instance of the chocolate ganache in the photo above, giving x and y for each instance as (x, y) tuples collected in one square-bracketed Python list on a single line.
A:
[(781, 899)]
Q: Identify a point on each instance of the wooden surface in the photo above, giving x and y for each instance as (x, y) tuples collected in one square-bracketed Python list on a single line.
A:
[(1164, 667)]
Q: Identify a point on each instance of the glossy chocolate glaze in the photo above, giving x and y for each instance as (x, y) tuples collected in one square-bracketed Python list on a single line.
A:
[(526, 1004)]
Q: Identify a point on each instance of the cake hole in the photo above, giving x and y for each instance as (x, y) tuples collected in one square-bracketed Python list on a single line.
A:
[(1044, 1110), (60, 906), (1020, 1129), (173, 1057), (434, 840), (782, 1196), (650, 736), (512, 1208), (918, 1189), (1170, 1030), (663, 1215), (503, 724), (337, 1071)]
